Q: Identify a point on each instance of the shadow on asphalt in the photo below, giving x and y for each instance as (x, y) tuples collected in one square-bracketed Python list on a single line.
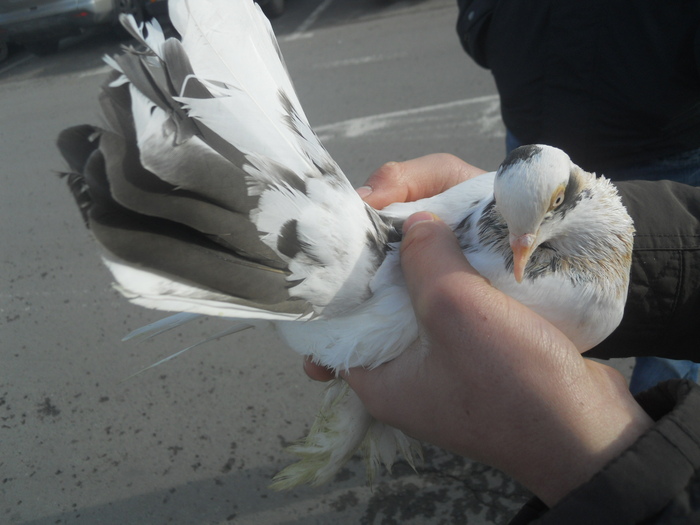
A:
[(445, 489)]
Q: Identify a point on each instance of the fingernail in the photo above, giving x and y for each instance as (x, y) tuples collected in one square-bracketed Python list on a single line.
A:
[(421, 216), (364, 191)]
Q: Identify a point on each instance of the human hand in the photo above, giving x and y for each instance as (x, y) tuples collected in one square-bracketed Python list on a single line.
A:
[(498, 383), (415, 179)]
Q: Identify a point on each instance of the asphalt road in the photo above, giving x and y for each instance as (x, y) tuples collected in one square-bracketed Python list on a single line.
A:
[(197, 440)]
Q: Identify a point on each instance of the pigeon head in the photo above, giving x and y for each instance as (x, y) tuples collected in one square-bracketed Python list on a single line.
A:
[(532, 184)]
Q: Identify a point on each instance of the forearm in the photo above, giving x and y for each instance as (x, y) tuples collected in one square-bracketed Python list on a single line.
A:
[(651, 481), (603, 421)]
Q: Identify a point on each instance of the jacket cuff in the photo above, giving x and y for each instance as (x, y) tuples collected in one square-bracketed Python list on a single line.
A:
[(642, 481)]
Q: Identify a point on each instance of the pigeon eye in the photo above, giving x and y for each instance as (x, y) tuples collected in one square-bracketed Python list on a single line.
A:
[(557, 200)]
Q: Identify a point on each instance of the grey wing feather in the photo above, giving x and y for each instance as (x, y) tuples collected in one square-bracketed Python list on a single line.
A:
[(186, 217)]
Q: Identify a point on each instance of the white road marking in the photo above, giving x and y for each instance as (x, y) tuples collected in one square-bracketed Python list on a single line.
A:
[(101, 70), (311, 19), (16, 63), (357, 127), (358, 61)]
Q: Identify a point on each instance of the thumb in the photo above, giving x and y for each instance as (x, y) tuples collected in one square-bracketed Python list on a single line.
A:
[(429, 252)]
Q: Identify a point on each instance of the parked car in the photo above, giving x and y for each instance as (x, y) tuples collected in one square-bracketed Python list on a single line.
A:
[(40, 24)]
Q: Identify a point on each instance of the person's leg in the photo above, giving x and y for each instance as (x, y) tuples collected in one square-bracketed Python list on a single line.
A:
[(648, 371)]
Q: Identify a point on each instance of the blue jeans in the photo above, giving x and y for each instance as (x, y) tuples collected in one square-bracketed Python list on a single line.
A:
[(683, 167)]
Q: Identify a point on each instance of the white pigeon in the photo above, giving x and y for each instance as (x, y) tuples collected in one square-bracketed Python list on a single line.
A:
[(211, 195)]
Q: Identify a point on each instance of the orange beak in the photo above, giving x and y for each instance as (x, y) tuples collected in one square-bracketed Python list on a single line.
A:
[(522, 247)]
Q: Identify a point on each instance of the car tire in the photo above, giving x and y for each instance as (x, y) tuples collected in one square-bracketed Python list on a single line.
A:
[(42, 47), (273, 8)]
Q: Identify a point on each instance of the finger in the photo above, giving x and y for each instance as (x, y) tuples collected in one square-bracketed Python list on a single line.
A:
[(415, 179), (432, 260), (317, 372), (455, 306)]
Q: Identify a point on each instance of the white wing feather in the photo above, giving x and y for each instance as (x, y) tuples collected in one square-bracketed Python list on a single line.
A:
[(249, 79)]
